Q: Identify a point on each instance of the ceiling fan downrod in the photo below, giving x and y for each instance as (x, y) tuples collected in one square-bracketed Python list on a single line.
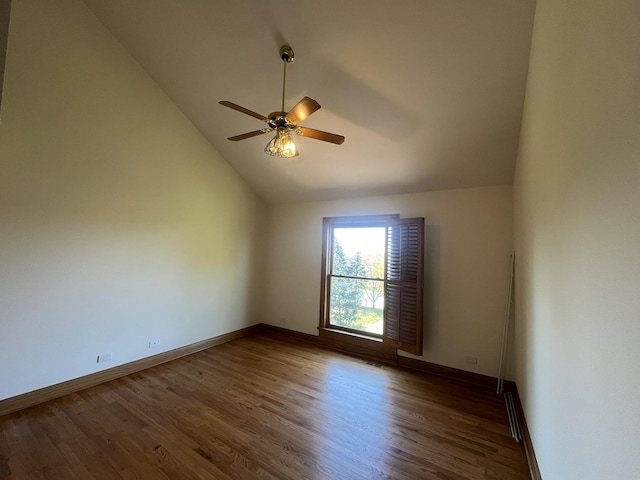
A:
[(287, 56)]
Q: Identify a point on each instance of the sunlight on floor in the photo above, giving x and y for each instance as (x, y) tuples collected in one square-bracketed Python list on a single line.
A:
[(357, 410)]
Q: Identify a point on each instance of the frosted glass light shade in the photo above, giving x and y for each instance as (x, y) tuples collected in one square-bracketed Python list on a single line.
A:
[(282, 145)]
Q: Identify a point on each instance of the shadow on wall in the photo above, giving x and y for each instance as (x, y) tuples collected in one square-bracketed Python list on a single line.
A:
[(431, 290)]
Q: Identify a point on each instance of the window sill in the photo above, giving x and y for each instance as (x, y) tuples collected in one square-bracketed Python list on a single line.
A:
[(362, 336), (363, 346)]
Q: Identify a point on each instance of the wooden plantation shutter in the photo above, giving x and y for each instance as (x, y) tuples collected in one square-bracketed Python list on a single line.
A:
[(403, 300)]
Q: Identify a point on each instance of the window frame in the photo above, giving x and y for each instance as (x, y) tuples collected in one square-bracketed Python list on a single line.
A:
[(329, 224), (404, 328)]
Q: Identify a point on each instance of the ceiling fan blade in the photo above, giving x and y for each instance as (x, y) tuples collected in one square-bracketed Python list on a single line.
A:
[(249, 134), (243, 110), (320, 135), (302, 110)]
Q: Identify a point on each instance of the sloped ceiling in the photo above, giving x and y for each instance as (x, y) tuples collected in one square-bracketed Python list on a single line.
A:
[(428, 93)]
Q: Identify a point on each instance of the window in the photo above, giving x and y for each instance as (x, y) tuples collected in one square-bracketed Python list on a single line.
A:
[(372, 272), (356, 277)]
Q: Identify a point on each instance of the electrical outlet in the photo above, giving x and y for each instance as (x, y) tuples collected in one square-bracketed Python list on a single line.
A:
[(154, 343), (105, 357), (471, 360)]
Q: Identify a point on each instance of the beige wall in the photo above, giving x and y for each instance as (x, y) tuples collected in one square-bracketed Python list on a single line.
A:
[(578, 240), (119, 222), (468, 243)]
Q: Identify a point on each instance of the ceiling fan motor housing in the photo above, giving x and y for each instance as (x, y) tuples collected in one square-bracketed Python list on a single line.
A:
[(278, 120)]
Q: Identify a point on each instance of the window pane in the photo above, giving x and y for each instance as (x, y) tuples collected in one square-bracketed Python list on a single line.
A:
[(358, 251), (357, 304)]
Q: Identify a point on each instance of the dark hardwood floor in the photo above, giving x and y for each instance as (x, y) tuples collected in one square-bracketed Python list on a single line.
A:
[(264, 407)]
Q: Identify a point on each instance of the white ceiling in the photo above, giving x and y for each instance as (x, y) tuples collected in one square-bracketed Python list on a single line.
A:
[(428, 93)]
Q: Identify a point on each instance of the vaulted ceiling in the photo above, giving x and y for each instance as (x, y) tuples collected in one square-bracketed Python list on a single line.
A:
[(428, 93)]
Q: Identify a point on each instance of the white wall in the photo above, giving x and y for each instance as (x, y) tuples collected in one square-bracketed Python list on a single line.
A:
[(119, 222), (468, 243), (578, 240)]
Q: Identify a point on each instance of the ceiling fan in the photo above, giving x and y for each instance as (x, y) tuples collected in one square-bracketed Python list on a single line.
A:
[(283, 145)]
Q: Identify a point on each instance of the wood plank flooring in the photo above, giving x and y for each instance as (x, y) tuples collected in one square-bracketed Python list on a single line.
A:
[(267, 408)]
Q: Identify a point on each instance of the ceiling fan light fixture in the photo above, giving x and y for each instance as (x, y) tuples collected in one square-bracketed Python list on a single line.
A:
[(282, 145)]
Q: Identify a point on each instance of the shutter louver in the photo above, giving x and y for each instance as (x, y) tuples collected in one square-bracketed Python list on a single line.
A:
[(392, 312), (404, 285)]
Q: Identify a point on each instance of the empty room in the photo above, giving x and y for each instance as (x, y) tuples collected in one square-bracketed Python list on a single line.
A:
[(319, 240)]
